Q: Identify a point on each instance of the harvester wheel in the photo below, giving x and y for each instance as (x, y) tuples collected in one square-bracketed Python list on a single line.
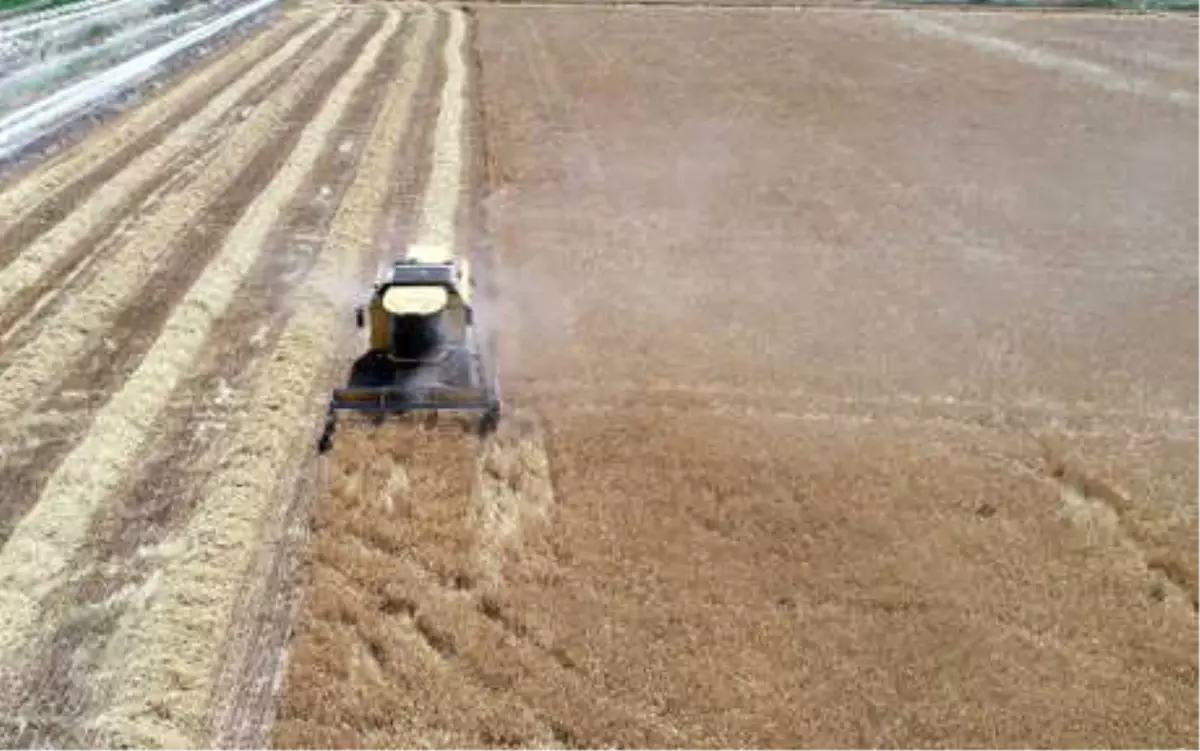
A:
[(326, 441), (490, 421)]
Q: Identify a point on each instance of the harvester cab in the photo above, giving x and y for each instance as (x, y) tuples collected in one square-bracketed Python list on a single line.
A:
[(423, 353)]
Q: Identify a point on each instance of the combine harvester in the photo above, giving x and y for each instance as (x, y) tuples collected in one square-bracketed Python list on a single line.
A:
[(423, 349)]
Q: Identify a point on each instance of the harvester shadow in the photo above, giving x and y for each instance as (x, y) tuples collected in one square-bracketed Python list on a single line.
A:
[(372, 370)]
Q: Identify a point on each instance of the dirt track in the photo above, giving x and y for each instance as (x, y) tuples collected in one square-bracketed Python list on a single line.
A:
[(852, 360)]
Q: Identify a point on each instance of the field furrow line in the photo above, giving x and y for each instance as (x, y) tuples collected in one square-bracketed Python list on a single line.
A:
[(438, 222), (44, 197), (183, 442), (479, 637), (38, 554), (180, 633), (217, 390), (619, 390), (45, 360), (36, 268)]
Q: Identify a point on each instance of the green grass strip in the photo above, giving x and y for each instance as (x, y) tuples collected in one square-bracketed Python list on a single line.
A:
[(32, 5)]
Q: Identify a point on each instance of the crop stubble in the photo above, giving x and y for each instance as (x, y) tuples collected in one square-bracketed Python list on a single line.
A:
[(224, 534), (55, 251), (182, 451), (141, 188), (36, 366), (179, 338), (57, 422), (54, 527), (162, 692)]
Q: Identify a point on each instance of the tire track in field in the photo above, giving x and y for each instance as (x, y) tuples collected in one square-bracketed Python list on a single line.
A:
[(180, 632), (1040, 57), (66, 354), (42, 199), (45, 360), (36, 558), (37, 272), (183, 450)]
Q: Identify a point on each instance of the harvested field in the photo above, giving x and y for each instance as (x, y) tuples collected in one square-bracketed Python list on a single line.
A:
[(191, 295), (850, 361)]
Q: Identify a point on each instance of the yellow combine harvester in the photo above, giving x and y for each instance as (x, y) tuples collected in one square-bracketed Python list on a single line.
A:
[(423, 353)]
